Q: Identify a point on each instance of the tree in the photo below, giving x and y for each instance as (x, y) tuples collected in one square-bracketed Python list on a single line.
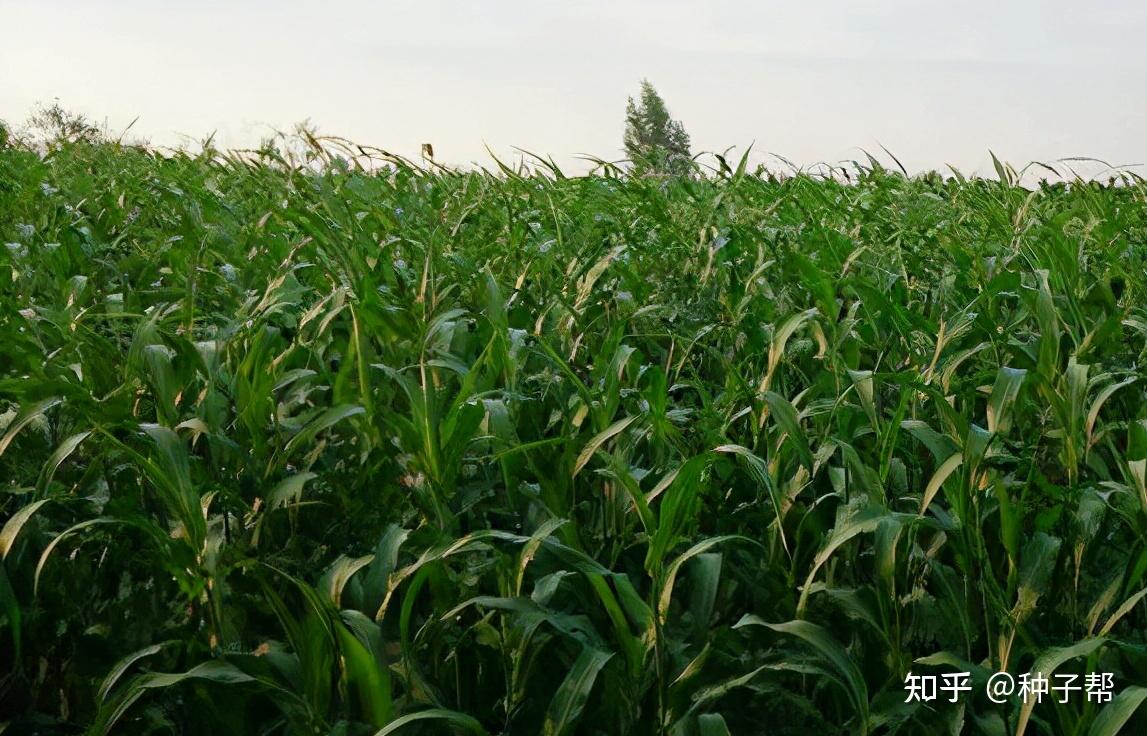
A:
[(654, 142), (54, 125)]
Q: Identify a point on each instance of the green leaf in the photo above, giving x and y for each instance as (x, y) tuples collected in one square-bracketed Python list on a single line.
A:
[(1097, 404), (122, 666), (852, 520), (288, 491), (671, 572), (1008, 383), (74, 529), (66, 448), (1046, 665), (712, 724), (326, 420), (946, 469), (449, 717), (865, 389), (781, 337), (786, 417), (366, 675), (1115, 714), (601, 438), (939, 445), (25, 418), (339, 574), (833, 654), (572, 695), (13, 526), (1122, 611), (216, 671)]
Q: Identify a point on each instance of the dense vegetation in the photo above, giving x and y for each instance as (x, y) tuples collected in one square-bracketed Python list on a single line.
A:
[(301, 445)]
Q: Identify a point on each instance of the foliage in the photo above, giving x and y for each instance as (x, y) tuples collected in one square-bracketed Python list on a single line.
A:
[(54, 125), (325, 443), (655, 143)]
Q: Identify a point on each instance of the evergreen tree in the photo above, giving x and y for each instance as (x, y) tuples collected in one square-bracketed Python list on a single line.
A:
[(654, 142)]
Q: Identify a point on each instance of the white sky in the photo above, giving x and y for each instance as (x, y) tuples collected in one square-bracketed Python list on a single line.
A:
[(814, 80)]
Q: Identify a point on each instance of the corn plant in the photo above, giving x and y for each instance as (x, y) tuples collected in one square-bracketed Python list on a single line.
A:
[(311, 439)]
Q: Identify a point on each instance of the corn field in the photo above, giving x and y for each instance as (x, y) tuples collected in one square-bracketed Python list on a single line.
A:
[(327, 442)]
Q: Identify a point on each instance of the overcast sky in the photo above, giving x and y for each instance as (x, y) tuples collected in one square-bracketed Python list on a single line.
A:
[(935, 82)]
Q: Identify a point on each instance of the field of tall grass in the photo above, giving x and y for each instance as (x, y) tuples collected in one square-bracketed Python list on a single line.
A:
[(339, 444)]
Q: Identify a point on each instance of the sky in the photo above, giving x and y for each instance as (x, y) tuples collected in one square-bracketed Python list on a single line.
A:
[(936, 83)]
